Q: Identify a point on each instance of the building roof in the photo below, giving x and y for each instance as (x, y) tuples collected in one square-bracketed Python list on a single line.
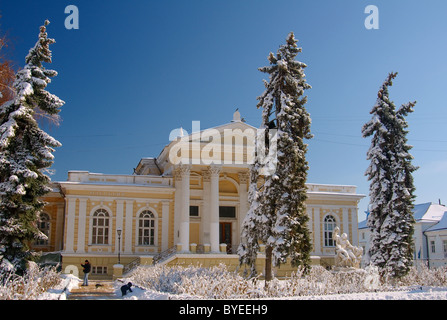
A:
[(428, 212), (424, 212), (362, 224), (441, 225), (420, 210)]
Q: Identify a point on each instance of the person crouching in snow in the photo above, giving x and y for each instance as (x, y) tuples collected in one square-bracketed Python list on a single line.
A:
[(125, 288)]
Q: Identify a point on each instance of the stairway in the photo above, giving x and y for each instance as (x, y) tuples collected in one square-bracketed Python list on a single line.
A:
[(96, 290), (164, 255)]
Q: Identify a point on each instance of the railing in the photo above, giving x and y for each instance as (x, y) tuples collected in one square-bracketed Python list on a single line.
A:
[(131, 265), (164, 255), (99, 178)]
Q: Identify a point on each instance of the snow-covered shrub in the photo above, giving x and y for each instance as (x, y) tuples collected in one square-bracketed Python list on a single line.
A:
[(423, 276), (320, 281), (34, 282), (219, 283), (210, 283), (168, 279)]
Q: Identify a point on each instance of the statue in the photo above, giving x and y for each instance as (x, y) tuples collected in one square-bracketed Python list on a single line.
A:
[(347, 255), (372, 279)]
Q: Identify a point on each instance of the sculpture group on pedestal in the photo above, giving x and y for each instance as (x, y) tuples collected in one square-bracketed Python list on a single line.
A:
[(346, 255)]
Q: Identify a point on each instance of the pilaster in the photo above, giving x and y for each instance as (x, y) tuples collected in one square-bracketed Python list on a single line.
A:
[(214, 172)]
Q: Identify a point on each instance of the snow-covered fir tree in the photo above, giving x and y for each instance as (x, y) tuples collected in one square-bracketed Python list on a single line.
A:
[(391, 185), (277, 215), (25, 154), (253, 224)]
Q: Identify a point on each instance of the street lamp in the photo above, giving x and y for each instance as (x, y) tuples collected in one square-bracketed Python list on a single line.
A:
[(119, 244)]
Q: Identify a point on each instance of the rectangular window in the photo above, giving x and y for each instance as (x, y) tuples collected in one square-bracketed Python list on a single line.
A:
[(444, 245), (99, 270), (194, 211), (432, 245), (227, 212), (328, 240)]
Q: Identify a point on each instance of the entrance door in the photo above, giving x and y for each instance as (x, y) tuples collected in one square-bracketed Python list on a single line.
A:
[(225, 234), (194, 233)]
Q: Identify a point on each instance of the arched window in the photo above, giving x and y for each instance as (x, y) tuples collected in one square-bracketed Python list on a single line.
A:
[(329, 226), (43, 224), (100, 232), (146, 228)]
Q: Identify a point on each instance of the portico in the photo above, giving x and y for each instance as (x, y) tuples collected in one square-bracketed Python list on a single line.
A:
[(194, 205), (209, 204)]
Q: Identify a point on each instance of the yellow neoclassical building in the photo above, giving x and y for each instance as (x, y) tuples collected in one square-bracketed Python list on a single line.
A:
[(185, 206)]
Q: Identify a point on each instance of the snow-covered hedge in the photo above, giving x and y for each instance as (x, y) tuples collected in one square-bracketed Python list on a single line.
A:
[(218, 283), (34, 282)]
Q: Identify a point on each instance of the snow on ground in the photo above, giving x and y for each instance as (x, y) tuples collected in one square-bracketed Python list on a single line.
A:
[(423, 289), (195, 282), (419, 293), (415, 294), (59, 292)]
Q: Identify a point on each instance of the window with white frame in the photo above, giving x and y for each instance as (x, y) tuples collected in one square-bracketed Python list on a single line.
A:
[(444, 246), (100, 231), (432, 246), (193, 211), (43, 224), (99, 270), (328, 228), (146, 228)]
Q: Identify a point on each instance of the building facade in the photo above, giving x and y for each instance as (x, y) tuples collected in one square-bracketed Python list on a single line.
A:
[(430, 235), (191, 200)]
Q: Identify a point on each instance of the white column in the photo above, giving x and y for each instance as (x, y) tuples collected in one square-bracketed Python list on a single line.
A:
[(81, 225), (165, 226), (354, 226), (346, 224), (205, 215), (177, 206), (70, 222), (317, 236), (119, 223), (127, 246), (184, 172), (310, 226), (243, 200), (214, 208)]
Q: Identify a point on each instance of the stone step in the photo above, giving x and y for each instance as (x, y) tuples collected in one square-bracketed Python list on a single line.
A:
[(96, 290), (92, 296)]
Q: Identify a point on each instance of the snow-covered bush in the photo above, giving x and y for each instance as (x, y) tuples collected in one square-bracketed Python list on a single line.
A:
[(423, 276), (34, 282), (219, 283), (213, 283)]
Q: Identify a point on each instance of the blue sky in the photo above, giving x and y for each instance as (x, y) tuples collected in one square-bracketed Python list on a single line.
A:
[(136, 70)]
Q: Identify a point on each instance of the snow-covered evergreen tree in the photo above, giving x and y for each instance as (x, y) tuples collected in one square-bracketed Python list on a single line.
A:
[(277, 215), (253, 225), (391, 185), (25, 153)]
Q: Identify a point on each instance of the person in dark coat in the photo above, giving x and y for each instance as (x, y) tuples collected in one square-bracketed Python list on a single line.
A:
[(87, 267), (126, 287)]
